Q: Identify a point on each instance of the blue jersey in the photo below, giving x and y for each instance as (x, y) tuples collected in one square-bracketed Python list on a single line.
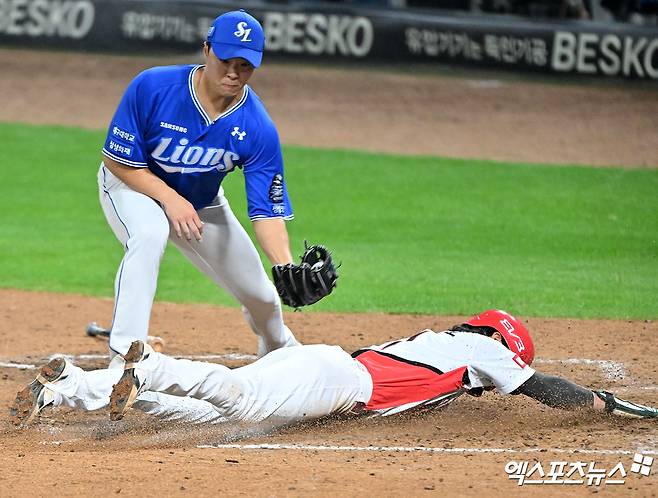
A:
[(160, 124)]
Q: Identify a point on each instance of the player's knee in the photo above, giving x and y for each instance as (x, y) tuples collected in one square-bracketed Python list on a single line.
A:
[(225, 386), (268, 299), (150, 238)]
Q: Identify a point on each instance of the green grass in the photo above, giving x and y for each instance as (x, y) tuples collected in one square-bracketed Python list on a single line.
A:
[(413, 234)]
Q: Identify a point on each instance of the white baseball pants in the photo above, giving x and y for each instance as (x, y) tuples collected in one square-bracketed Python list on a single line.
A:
[(226, 255), (286, 386), (90, 390)]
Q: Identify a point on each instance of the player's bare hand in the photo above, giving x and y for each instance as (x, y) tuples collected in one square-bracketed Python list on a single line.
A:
[(183, 218)]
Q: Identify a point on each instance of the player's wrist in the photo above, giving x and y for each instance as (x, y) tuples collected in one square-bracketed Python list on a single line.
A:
[(168, 196), (598, 403)]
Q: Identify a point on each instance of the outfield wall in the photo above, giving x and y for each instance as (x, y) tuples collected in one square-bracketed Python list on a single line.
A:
[(341, 33)]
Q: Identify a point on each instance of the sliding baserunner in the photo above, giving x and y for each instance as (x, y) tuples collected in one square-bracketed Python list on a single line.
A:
[(492, 350)]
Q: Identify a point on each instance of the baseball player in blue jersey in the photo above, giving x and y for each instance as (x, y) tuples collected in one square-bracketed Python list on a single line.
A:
[(177, 132)]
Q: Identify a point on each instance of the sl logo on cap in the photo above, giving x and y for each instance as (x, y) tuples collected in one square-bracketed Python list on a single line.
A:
[(243, 32)]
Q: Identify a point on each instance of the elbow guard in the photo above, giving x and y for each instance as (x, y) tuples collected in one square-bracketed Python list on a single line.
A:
[(618, 406)]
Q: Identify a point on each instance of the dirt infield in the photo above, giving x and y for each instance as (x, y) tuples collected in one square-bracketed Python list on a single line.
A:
[(81, 453), (460, 451)]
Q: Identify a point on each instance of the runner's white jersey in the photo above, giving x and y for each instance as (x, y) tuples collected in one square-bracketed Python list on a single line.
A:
[(436, 367)]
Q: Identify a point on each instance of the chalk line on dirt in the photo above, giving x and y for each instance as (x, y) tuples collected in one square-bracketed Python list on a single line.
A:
[(18, 364), (401, 449), (611, 369), (421, 449)]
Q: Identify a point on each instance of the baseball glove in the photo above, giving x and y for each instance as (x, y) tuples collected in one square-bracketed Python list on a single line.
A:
[(314, 278)]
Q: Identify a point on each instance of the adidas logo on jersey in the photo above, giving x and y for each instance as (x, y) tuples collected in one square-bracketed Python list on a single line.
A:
[(205, 158)]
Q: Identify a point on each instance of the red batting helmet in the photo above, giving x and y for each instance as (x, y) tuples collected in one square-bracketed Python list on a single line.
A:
[(515, 334)]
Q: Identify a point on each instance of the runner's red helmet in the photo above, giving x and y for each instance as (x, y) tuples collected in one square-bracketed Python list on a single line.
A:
[(515, 334)]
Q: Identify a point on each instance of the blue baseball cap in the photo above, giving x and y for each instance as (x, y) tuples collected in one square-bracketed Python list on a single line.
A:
[(237, 34)]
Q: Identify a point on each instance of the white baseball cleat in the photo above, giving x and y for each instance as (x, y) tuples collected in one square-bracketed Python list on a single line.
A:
[(132, 382), (36, 396)]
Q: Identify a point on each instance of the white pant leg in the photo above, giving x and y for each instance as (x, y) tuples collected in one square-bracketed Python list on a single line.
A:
[(91, 390), (176, 409), (228, 257), (285, 386), (86, 390), (142, 227)]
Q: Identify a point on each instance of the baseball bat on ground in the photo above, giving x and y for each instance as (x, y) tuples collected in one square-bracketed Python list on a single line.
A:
[(97, 332)]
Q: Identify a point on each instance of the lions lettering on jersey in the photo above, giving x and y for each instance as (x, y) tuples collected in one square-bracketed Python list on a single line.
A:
[(160, 124), (208, 158)]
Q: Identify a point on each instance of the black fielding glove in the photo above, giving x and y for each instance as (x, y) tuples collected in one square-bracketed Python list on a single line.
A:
[(314, 278)]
